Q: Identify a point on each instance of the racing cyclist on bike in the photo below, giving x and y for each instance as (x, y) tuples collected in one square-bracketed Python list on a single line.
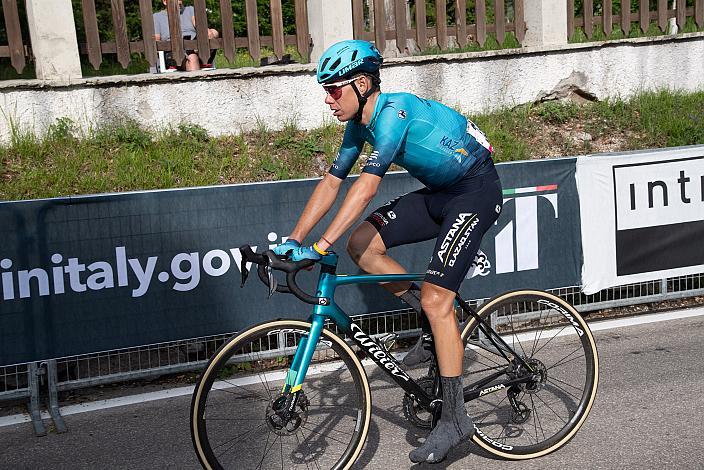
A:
[(462, 198)]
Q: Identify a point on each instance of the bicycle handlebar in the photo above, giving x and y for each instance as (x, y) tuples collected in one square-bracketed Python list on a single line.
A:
[(266, 262)]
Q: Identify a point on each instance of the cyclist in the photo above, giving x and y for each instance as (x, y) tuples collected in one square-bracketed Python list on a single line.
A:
[(461, 200)]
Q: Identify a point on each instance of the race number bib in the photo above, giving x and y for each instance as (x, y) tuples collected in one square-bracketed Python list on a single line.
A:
[(474, 131)]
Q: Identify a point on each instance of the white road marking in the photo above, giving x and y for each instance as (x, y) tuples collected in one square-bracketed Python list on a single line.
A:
[(275, 376)]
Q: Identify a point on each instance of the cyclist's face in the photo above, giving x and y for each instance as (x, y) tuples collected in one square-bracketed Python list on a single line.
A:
[(342, 99)]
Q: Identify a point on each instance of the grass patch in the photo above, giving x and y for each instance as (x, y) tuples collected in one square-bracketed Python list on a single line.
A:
[(124, 156)]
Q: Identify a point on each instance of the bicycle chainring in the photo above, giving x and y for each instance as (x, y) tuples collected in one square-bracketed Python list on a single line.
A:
[(412, 410)]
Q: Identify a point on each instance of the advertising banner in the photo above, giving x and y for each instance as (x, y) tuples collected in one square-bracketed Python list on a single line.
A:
[(95, 273), (642, 216)]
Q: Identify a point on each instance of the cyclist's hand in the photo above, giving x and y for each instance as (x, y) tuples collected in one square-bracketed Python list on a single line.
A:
[(305, 252), (285, 249)]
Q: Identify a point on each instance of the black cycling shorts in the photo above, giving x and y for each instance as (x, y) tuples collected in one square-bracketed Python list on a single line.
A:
[(458, 216)]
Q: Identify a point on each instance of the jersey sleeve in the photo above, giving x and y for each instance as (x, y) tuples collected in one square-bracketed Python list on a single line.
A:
[(350, 149), (392, 127)]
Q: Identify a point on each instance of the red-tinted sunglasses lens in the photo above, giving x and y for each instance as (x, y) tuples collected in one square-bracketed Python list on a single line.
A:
[(335, 92)]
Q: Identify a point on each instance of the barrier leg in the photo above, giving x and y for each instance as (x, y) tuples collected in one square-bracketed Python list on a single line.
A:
[(34, 410), (54, 397)]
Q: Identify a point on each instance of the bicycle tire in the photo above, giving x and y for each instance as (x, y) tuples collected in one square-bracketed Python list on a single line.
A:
[(231, 408), (554, 338)]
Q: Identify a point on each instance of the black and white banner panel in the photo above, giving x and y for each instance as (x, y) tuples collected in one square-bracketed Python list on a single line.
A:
[(642, 216)]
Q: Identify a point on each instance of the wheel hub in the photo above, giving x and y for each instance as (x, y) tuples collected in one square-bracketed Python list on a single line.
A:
[(287, 413), (540, 376)]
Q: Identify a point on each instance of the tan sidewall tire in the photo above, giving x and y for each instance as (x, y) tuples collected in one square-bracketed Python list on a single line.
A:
[(503, 297), (223, 351)]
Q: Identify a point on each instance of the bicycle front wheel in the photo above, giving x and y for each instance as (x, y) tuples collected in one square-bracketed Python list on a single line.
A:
[(543, 412), (237, 402)]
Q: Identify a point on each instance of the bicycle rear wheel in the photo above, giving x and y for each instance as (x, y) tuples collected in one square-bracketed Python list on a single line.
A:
[(234, 420), (541, 415)]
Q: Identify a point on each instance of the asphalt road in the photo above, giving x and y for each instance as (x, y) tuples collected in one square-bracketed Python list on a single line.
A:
[(648, 414)]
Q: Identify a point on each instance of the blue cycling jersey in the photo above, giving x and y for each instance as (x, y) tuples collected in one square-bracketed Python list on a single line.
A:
[(434, 143)]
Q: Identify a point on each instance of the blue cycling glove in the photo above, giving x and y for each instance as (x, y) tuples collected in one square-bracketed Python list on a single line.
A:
[(284, 249), (305, 252)]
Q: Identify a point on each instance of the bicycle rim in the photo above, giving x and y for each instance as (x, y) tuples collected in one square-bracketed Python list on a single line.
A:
[(233, 419), (542, 415)]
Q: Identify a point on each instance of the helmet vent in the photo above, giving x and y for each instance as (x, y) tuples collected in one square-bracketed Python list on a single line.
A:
[(325, 62), (335, 64), (354, 56)]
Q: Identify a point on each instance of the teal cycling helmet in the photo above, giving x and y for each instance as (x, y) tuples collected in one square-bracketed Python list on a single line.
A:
[(346, 59)]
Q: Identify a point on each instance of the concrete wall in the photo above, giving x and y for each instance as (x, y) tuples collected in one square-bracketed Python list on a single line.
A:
[(228, 101)]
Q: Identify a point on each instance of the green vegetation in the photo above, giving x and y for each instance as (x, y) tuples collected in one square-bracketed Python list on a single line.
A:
[(124, 156)]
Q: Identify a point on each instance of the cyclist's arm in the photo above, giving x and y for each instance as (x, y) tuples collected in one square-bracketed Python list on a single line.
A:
[(317, 206), (326, 191), (389, 139), (358, 198)]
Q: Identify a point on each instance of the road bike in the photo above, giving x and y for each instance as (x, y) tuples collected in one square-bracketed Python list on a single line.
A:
[(295, 394)]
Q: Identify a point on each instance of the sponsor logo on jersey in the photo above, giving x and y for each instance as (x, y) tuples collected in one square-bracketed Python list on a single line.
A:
[(402, 114), (449, 143), (462, 151), (372, 160)]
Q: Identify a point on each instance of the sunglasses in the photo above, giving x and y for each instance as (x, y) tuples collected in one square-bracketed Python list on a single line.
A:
[(335, 90)]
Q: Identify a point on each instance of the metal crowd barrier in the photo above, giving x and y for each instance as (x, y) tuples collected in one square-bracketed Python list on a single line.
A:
[(21, 382)]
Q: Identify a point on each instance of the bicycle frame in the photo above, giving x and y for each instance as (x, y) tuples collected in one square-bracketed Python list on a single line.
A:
[(328, 282)]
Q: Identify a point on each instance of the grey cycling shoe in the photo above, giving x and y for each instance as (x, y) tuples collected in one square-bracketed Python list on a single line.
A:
[(421, 352), (454, 425)]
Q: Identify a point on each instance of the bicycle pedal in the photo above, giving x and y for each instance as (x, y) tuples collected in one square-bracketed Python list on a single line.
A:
[(388, 340)]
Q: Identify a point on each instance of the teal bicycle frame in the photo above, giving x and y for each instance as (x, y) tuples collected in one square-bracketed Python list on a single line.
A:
[(327, 309)]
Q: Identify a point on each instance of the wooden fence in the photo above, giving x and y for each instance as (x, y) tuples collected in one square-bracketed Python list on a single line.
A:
[(15, 48), (622, 19), (253, 42), (407, 25)]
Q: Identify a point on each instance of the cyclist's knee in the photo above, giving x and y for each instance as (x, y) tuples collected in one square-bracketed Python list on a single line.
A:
[(437, 302)]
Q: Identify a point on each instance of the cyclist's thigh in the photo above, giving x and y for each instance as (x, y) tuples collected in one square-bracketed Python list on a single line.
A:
[(467, 217), (404, 220)]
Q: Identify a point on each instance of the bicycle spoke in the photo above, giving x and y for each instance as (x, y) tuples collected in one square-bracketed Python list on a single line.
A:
[(266, 386), (551, 409), (496, 406), (539, 333), (266, 451), (249, 394), (513, 336), (563, 361), (557, 386), (323, 435), (535, 420), (552, 338), (305, 439), (236, 440), (332, 430), (282, 453)]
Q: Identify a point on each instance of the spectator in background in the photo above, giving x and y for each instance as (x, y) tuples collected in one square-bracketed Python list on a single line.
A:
[(188, 31)]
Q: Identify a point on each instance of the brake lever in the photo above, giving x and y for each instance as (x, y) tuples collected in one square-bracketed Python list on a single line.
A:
[(271, 280), (244, 271)]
